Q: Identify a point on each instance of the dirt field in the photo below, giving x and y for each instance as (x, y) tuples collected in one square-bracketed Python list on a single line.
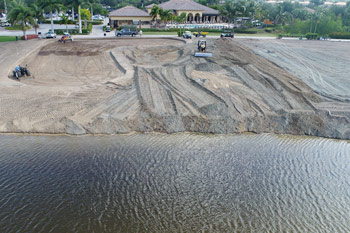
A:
[(157, 85), (323, 65)]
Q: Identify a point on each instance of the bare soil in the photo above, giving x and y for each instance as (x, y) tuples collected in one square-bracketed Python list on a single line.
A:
[(157, 85)]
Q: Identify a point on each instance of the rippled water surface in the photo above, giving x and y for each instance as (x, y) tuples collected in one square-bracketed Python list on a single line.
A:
[(174, 183)]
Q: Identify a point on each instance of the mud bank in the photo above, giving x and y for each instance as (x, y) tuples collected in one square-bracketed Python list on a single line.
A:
[(121, 86)]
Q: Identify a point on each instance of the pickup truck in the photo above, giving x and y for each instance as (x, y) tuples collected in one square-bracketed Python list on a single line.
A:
[(126, 32)]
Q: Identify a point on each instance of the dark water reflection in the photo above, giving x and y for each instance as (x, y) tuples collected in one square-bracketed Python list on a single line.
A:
[(174, 183)]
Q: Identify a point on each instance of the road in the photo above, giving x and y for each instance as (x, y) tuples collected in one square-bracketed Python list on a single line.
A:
[(44, 28), (97, 32)]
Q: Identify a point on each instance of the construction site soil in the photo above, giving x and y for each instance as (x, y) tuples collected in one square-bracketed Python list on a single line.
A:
[(157, 85)]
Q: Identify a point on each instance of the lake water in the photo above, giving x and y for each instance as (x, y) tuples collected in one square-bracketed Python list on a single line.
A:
[(174, 183)]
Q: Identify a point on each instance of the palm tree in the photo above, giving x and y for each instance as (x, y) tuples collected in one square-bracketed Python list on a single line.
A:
[(318, 16), (38, 15), (23, 15), (155, 12), (65, 20), (165, 15), (78, 3), (51, 5), (90, 4), (284, 18)]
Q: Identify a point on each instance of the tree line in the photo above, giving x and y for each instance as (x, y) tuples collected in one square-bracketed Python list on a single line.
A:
[(292, 17), (31, 12)]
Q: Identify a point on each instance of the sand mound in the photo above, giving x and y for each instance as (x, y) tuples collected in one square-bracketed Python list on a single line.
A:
[(83, 62), (158, 85)]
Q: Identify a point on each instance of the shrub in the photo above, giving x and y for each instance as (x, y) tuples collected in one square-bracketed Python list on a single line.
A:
[(290, 35), (247, 31), (16, 27), (340, 35), (311, 36), (95, 22)]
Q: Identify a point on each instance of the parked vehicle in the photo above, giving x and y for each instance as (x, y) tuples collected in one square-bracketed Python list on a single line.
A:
[(5, 24), (227, 33), (126, 32), (98, 17), (187, 35), (50, 34), (108, 29)]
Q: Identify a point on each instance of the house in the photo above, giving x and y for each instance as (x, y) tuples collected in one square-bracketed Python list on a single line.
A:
[(195, 12), (128, 15)]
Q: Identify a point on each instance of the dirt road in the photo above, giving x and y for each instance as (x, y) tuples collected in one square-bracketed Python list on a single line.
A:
[(157, 85)]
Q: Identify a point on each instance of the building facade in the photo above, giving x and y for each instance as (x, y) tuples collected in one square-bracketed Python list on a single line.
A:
[(129, 15), (195, 12)]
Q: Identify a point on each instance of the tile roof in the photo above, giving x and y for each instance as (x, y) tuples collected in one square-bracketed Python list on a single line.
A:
[(185, 5), (129, 11)]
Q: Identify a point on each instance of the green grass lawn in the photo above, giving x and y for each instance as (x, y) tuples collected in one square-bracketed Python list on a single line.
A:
[(159, 33), (215, 34), (7, 38), (16, 28)]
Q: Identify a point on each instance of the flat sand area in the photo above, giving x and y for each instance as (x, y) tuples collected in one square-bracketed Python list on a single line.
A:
[(157, 85), (323, 65)]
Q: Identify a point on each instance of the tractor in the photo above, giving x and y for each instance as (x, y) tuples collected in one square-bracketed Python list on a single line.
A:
[(20, 72)]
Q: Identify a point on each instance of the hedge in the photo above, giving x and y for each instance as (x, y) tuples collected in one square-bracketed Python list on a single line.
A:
[(247, 31), (290, 35), (85, 31), (16, 27), (95, 22), (311, 36), (339, 35)]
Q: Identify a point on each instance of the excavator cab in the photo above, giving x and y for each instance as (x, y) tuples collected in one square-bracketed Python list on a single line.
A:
[(202, 46)]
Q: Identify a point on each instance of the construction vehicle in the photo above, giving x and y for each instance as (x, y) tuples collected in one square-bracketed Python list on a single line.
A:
[(65, 38), (20, 72), (198, 34), (202, 46)]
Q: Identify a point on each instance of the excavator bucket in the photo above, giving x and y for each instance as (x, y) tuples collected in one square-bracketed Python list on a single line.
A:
[(200, 54)]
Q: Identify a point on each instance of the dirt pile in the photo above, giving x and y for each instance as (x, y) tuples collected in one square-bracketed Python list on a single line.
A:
[(121, 86)]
